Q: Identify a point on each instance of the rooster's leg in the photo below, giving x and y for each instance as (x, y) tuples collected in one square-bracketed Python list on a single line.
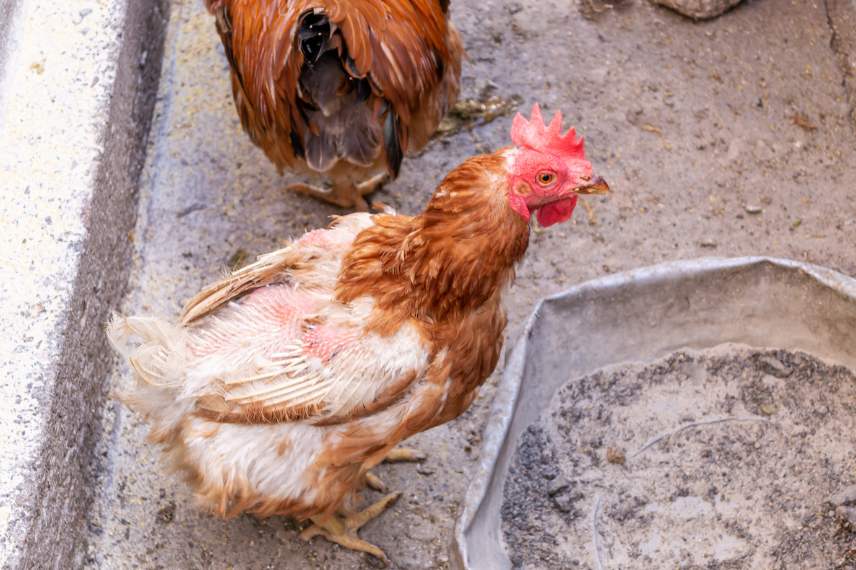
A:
[(396, 455), (372, 184), (342, 529), (342, 195)]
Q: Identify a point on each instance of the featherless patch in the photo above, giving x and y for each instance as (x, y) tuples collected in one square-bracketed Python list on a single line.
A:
[(287, 381)]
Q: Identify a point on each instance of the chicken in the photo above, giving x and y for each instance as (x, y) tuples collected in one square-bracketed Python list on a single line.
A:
[(340, 89), (285, 383)]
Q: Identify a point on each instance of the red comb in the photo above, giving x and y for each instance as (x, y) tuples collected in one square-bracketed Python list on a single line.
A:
[(534, 134)]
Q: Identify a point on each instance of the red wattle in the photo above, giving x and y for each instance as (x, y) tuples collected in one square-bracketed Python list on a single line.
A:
[(556, 212)]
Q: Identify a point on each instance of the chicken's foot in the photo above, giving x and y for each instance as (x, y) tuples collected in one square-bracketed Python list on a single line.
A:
[(374, 482), (342, 529), (401, 454), (341, 193), (372, 184), (343, 196), (396, 455)]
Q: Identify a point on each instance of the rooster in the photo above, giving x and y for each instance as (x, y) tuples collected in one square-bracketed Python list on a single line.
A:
[(285, 383), (340, 89)]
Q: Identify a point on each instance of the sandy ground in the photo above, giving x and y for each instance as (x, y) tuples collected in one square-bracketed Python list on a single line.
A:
[(725, 138), (724, 459)]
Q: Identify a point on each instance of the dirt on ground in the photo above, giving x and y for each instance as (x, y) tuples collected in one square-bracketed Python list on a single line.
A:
[(723, 459), (729, 137)]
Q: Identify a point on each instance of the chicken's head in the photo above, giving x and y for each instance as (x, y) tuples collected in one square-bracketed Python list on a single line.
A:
[(547, 170)]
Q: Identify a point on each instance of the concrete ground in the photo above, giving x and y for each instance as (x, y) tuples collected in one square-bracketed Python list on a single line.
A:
[(727, 138), (74, 112)]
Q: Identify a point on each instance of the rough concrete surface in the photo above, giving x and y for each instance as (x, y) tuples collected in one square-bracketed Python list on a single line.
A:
[(730, 137), (699, 9), (725, 458), (72, 111), (7, 12)]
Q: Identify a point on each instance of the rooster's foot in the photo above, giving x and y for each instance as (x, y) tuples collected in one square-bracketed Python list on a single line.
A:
[(345, 197), (381, 208), (372, 184), (342, 529)]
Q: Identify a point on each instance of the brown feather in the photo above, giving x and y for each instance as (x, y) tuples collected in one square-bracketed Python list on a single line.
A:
[(458, 304), (446, 262), (408, 51), (268, 269), (443, 272)]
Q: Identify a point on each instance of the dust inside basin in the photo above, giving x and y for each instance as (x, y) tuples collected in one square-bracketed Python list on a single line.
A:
[(729, 457)]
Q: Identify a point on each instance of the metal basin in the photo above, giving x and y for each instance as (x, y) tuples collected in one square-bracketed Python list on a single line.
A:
[(641, 316)]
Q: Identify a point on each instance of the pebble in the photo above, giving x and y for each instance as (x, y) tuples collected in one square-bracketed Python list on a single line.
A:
[(615, 456), (166, 514), (82, 15), (699, 9), (754, 210), (847, 514), (557, 486), (708, 243), (774, 367), (845, 497), (549, 472), (564, 502)]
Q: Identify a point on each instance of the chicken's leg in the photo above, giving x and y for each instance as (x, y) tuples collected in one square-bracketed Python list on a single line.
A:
[(372, 184), (396, 455), (342, 529), (401, 454), (342, 195)]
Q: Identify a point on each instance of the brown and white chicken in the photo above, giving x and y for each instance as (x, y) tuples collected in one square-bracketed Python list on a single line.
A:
[(340, 89), (285, 383)]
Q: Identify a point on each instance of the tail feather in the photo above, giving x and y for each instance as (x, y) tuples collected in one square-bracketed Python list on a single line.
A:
[(161, 356), (314, 31), (158, 353), (335, 99)]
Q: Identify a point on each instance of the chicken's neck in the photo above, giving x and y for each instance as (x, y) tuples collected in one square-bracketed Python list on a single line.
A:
[(454, 257)]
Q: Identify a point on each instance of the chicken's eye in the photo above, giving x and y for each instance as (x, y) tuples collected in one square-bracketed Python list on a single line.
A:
[(545, 178)]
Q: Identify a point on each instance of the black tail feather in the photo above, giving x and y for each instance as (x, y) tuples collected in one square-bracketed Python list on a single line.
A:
[(313, 34), (335, 103), (392, 142)]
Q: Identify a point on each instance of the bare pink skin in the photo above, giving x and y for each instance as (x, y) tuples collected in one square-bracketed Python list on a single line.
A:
[(323, 342), (548, 169), (265, 309)]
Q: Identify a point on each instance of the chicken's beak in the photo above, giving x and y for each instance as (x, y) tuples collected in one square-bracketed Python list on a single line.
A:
[(597, 186)]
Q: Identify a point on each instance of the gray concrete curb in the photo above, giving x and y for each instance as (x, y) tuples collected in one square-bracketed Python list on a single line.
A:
[(7, 12), (77, 90)]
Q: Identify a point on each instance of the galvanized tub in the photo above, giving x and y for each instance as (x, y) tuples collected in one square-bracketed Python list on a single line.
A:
[(638, 316)]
